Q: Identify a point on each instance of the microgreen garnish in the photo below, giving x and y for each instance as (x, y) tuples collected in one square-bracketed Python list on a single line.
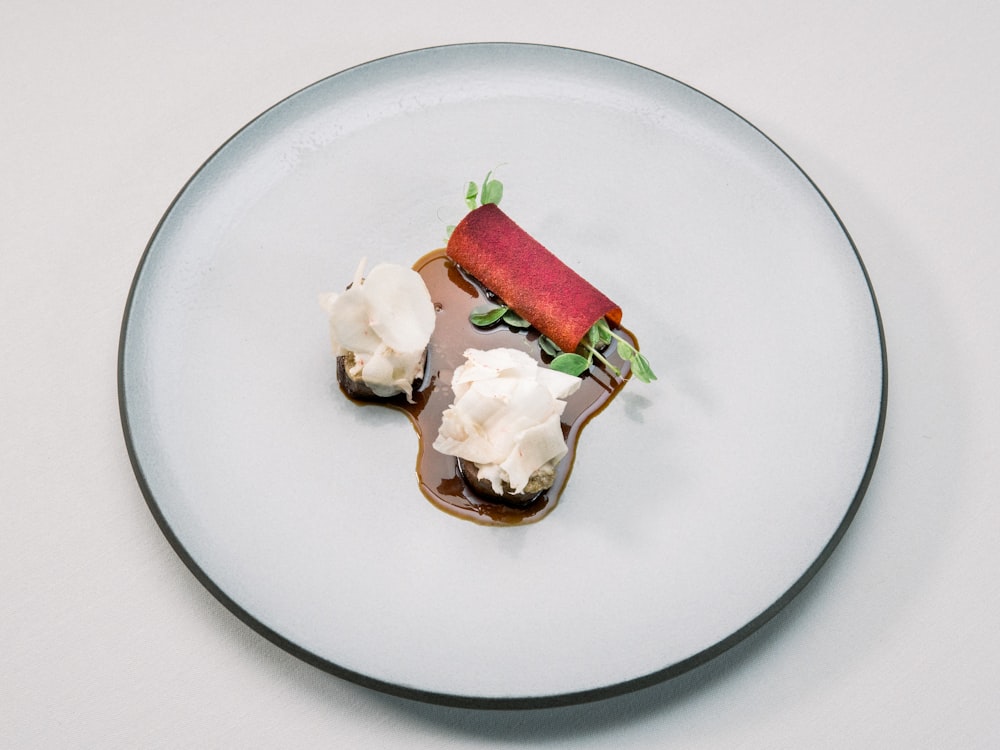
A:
[(570, 363), (492, 192), (600, 334), (641, 368), (548, 346), (514, 320), (640, 365), (484, 317), (472, 195), (598, 337)]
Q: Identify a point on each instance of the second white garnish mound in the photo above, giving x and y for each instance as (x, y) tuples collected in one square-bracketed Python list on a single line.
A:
[(505, 417)]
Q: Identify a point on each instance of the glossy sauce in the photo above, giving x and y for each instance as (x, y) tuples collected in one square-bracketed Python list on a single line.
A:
[(455, 295)]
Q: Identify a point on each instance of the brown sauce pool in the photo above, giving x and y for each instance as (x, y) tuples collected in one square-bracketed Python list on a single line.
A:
[(455, 295)]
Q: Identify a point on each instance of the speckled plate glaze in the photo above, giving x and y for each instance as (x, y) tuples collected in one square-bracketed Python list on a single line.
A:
[(698, 505)]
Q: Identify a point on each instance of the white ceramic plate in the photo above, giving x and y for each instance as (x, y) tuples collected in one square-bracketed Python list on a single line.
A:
[(698, 505)]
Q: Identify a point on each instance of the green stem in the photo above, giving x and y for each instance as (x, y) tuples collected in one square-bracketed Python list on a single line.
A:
[(607, 363), (616, 337)]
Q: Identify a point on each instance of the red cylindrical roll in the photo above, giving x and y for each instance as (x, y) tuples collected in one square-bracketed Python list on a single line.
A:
[(528, 278)]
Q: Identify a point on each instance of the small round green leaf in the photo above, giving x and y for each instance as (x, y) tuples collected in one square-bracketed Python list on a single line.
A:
[(485, 316), (603, 332), (571, 364), (492, 192), (471, 192), (641, 369), (548, 346), (514, 320)]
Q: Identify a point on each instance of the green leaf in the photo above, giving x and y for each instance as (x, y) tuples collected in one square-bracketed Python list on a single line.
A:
[(594, 336), (625, 350), (492, 191), (514, 320), (571, 364), (471, 191), (641, 368), (548, 346), (483, 317), (603, 332)]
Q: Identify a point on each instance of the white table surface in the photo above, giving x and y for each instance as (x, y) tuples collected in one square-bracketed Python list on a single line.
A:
[(107, 640)]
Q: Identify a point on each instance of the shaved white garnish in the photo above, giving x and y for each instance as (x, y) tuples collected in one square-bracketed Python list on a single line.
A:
[(505, 417), (384, 321)]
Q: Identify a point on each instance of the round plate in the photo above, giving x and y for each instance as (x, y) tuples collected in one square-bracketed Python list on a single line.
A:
[(698, 505)]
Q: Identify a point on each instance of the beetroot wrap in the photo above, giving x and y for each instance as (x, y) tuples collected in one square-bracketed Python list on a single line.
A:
[(529, 279)]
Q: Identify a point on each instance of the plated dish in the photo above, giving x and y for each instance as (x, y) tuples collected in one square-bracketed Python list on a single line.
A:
[(700, 503), (497, 351)]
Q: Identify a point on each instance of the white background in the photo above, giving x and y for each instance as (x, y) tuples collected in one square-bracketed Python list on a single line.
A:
[(107, 640)]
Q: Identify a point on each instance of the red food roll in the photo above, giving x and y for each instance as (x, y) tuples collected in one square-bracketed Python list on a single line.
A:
[(529, 279)]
